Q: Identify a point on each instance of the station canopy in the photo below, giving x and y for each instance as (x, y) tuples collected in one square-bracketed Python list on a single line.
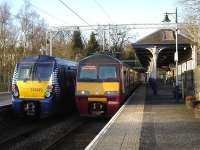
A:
[(165, 41)]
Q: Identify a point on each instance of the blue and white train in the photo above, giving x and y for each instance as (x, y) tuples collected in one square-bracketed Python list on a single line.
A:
[(43, 85)]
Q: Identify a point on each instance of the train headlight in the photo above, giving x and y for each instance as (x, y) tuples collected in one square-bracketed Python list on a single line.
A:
[(48, 91), (111, 93), (15, 91), (82, 93)]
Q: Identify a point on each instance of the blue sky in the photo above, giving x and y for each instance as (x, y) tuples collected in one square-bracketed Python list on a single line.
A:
[(120, 11)]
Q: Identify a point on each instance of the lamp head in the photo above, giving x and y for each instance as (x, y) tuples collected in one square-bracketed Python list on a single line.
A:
[(166, 19)]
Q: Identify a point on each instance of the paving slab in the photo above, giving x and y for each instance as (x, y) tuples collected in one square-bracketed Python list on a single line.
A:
[(151, 122), (124, 131), (168, 124)]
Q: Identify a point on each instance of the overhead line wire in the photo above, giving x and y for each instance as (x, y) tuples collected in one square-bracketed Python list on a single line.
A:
[(48, 14), (74, 12), (104, 11)]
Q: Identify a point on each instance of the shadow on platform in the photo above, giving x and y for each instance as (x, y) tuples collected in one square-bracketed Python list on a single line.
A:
[(164, 95)]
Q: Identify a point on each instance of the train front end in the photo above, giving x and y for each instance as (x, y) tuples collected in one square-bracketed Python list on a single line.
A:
[(32, 88), (98, 89)]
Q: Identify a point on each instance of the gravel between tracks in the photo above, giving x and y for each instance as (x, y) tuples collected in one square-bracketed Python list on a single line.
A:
[(43, 135), (82, 136)]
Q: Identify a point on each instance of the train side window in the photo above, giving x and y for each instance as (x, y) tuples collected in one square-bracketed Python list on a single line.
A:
[(125, 78)]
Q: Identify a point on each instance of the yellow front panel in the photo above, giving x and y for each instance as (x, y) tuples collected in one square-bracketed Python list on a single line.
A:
[(96, 99), (97, 88), (32, 89)]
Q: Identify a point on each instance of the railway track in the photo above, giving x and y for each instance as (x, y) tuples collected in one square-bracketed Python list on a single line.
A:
[(53, 133), (7, 121), (80, 137), (72, 132), (14, 130), (38, 134), (50, 133), (5, 103), (6, 108)]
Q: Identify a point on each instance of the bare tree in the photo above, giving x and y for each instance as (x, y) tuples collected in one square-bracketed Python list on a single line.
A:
[(191, 28), (12, 45), (119, 38), (32, 28), (112, 37), (61, 44), (8, 40), (192, 8), (4, 25)]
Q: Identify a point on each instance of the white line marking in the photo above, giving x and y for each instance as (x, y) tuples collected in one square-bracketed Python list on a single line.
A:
[(5, 93)]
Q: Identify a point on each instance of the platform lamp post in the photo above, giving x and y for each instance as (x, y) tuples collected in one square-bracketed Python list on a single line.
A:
[(166, 19)]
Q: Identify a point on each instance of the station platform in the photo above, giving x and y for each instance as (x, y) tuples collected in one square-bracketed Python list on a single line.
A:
[(124, 129), (150, 122), (5, 98)]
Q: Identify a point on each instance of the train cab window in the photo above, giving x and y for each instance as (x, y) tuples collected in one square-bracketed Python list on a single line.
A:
[(88, 72), (43, 71), (25, 71), (107, 72)]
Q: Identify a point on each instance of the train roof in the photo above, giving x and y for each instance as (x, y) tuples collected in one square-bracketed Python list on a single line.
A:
[(100, 58), (45, 58)]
